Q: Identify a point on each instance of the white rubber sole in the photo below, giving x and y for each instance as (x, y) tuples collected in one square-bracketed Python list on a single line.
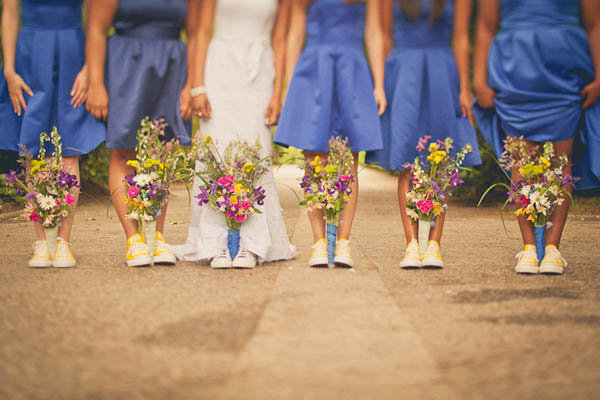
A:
[(165, 259), (551, 269), (220, 264), (432, 263), (318, 262), (64, 263), (343, 261), (526, 269), (40, 264), (139, 262)]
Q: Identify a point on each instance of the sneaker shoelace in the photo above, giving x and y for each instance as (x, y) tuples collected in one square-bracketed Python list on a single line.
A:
[(243, 253), (222, 254), (342, 247), (554, 255), (527, 256), (63, 249), (137, 249), (40, 250)]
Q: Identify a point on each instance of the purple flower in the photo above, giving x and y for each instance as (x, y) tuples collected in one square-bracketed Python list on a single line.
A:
[(11, 177), (31, 196), (455, 180), (129, 179)]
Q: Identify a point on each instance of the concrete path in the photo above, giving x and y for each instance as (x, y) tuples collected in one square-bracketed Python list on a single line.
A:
[(286, 331)]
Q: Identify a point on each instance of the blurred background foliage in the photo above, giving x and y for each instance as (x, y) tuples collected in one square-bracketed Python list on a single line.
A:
[(94, 166)]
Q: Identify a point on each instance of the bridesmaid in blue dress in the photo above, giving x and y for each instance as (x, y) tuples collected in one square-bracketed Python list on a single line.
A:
[(428, 95), (146, 75), (43, 85), (537, 75), (333, 93)]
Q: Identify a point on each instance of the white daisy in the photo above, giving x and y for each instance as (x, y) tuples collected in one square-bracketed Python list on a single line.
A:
[(141, 179), (46, 202)]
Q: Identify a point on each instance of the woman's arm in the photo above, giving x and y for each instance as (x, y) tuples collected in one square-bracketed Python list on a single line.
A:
[(590, 12), (278, 44), (100, 17), (10, 30), (202, 33), (191, 23), (460, 45), (295, 37), (374, 42), (81, 82), (487, 25), (387, 23)]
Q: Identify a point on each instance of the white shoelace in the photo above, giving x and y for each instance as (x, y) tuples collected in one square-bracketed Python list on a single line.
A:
[(224, 253)]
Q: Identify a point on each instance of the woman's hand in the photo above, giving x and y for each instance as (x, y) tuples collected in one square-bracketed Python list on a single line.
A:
[(16, 86), (380, 99), (185, 103), (80, 88), (97, 102), (590, 93), (465, 99), (201, 106), (485, 96), (273, 111)]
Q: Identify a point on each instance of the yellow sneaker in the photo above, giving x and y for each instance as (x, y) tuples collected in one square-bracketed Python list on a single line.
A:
[(343, 257), (319, 254), (527, 261), (432, 257), (41, 257), (137, 252), (553, 262), (63, 258), (162, 254), (411, 259)]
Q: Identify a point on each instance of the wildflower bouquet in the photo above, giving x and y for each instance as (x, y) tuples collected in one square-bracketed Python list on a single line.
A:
[(157, 166), (49, 188), (230, 183), (434, 177), (328, 186), (542, 185)]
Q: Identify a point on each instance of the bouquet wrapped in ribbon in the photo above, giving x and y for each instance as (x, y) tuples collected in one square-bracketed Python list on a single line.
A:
[(230, 183), (434, 177), (327, 185), (542, 185), (157, 166), (49, 188)]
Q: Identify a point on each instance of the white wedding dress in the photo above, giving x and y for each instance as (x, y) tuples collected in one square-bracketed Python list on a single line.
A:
[(239, 78)]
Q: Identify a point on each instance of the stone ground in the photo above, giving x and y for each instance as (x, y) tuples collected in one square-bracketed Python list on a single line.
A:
[(285, 331)]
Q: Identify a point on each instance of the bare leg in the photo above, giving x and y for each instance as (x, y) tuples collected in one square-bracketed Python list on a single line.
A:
[(160, 221), (117, 170), (71, 166), (316, 217), (347, 217), (436, 232), (560, 213), (410, 228), (525, 226)]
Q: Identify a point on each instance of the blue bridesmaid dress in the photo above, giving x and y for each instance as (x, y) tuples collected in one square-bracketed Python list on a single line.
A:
[(146, 70), (50, 53), (422, 88), (331, 90), (538, 63)]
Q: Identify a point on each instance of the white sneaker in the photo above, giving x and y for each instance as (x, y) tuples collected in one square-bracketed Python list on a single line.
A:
[(244, 259), (318, 257), (433, 256), (221, 260), (343, 257), (63, 258), (553, 262), (162, 254), (412, 258), (41, 257), (527, 261)]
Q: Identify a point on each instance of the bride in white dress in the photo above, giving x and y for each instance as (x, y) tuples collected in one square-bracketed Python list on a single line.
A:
[(238, 76)]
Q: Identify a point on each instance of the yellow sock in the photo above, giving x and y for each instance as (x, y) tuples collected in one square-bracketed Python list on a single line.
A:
[(530, 247)]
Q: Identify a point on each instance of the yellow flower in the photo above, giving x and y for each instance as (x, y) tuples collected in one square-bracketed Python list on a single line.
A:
[(36, 165), (132, 163), (316, 161), (233, 200), (330, 169), (522, 171), (248, 167), (318, 169), (433, 147), (437, 208), (518, 211), (545, 163), (207, 139), (238, 188)]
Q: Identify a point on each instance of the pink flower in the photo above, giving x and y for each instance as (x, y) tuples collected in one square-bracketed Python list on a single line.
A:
[(230, 215), (34, 217), (240, 218), (524, 200), (229, 178), (231, 188), (69, 199), (222, 181), (133, 191), (57, 201), (422, 142), (425, 206), (245, 204), (415, 181), (344, 178)]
